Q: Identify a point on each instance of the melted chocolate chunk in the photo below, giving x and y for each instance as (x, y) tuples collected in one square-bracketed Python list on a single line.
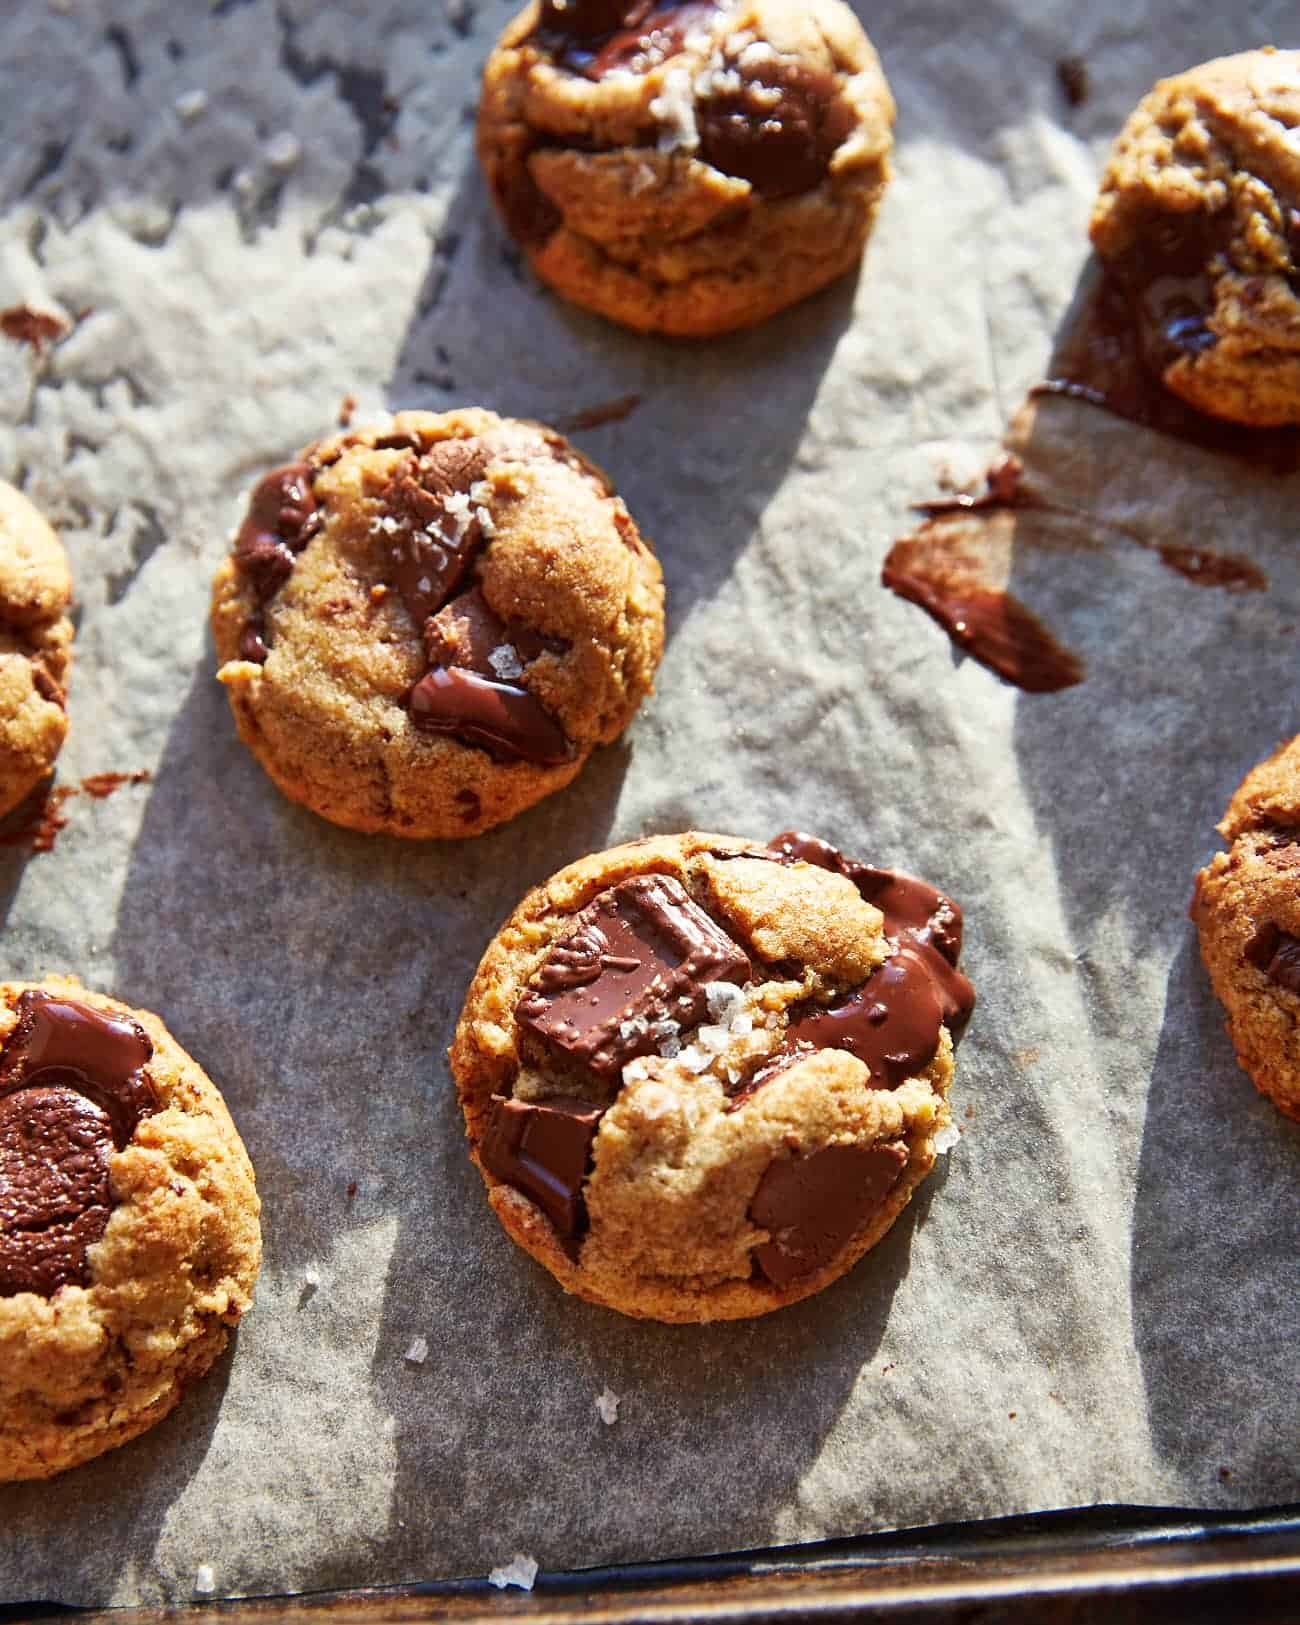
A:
[(1133, 320), (502, 718), (597, 37), (282, 518), (1277, 954), (778, 128), (432, 527), (989, 623), (543, 1149), (891, 1023), (813, 1206), (640, 955), (72, 1087), (468, 633)]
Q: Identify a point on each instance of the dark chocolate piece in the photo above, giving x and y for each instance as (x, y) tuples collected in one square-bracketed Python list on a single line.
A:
[(813, 1206), (1072, 76), (781, 147), (1277, 954), (506, 720), (542, 1148), (640, 955), (433, 530), (1131, 321), (467, 633), (282, 518), (597, 37), (72, 1087)]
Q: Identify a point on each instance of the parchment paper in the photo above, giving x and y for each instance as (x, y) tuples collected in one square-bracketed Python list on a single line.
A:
[(1095, 1301)]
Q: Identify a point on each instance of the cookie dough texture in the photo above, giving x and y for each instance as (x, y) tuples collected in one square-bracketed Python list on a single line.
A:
[(459, 541), (93, 1365), (1247, 912), (696, 171), (1199, 213), (35, 646), (685, 1140)]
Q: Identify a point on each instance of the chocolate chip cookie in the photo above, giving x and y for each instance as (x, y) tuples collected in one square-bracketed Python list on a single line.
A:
[(691, 168), (427, 626), (1247, 912), (129, 1237), (1198, 223), (701, 1077), (35, 646)]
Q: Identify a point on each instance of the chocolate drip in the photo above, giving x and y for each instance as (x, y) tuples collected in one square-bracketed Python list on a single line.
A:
[(989, 623), (631, 974), (282, 518), (778, 128), (1132, 321), (1204, 568), (1003, 488), (597, 37), (543, 1148), (503, 718), (1277, 954), (72, 1087), (813, 1206)]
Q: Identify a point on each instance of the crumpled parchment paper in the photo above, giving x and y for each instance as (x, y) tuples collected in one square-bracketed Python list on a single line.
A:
[(251, 210)]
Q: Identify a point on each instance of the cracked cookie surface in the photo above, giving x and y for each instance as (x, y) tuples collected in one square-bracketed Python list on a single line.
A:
[(129, 1234), (1198, 218), (686, 169), (1247, 912), (35, 646), (702, 1077), (427, 626)]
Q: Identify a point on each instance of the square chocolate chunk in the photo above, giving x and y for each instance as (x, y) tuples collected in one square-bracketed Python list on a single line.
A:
[(630, 977)]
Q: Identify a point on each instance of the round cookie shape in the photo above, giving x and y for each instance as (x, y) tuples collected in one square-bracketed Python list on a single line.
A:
[(427, 626), (1198, 220), (35, 646), (129, 1234), (1247, 912), (686, 169), (701, 1077)]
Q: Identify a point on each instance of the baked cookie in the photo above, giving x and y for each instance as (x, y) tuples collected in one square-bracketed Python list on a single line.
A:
[(691, 168), (1247, 913), (428, 626), (35, 646), (129, 1238), (701, 1077), (1198, 219)]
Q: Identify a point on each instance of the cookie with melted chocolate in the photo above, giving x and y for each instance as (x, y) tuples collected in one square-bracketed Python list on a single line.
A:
[(427, 626), (701, 1077), (686, 168), (1197, 225), (35, 647), (129, 1234), (1247, 912)]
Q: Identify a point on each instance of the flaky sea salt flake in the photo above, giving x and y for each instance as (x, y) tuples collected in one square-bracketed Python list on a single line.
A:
[(607, 1405), (418, 1352), (520, 1571), (724, 1000), (191, 105), (506, 663), (205, 1581)]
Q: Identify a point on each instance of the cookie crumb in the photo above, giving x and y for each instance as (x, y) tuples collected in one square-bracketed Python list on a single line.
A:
[(347, 411), (674, 108), (418, 1352), (193, 104), (352, 1190), (284, 150), (205, 1581), (1225, 1473), (607, 1404), (946, 1139), (520, 1571)]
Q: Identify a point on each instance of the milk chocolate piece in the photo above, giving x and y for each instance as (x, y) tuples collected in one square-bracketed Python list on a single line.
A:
[(813, 1206), (640, 955), (542, 1148), (778, 129), (72, 1087), (1277, 954), (502, 718)]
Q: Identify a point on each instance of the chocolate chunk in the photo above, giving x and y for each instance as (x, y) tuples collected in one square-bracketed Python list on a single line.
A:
[(813, 1206), (596, 37), (468, 633), (432, 530), (891, 1023), (1072, 76), (542, 1148), (72, 1086), (779, 127), (282, 518), (1277, 954), (501, 718), (640, 956)]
